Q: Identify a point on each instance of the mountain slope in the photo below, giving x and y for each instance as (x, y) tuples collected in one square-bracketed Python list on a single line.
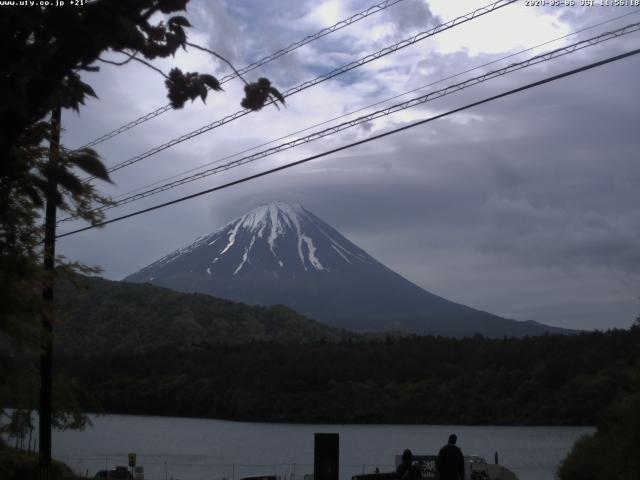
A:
[(283, 254), (112, 316)]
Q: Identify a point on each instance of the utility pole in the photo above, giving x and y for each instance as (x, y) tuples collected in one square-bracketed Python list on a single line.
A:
[(46, 357)]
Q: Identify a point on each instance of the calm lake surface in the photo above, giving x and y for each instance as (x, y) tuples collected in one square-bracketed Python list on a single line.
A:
[(199, 449)]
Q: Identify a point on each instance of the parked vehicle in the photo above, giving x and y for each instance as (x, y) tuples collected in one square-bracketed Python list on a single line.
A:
[(116, 473), (260, 477)]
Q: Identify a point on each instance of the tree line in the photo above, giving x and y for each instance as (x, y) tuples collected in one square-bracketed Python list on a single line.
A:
[(548, 380)]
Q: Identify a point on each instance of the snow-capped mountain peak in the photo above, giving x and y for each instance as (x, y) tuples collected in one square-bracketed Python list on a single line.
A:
[(275, 236), (280, 253)]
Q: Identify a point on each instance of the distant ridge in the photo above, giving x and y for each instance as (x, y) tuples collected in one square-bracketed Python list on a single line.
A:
[(281, 253), (120, 317)]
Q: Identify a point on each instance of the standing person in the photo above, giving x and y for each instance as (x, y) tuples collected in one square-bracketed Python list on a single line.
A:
[(450, 462), (407, 470)]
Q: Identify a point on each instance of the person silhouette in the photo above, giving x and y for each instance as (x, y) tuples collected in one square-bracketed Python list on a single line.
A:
[(407, 470), (450, 463)]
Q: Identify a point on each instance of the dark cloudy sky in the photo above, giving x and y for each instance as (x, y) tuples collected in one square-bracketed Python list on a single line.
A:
[(526, 207)]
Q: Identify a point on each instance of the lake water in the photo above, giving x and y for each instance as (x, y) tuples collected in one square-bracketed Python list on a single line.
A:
[(199, 449)]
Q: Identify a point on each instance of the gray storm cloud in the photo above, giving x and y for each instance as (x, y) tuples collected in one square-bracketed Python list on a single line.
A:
[(525, 207)]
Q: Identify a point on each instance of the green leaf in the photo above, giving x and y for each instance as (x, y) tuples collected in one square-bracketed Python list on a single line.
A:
[(211, 81), (179, 37), (203, 91), (179, 20), (69, 182), (88, 90), (276, 94), (88, 161), (35, 194)]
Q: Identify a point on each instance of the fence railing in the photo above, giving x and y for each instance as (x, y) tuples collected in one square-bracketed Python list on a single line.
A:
[(157, 467)]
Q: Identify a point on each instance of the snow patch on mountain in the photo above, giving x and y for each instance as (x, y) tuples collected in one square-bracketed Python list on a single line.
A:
[(232, 238), (340, 253), (276, 229), (245, 256), (283, 254), (278, 219), (267, 228)]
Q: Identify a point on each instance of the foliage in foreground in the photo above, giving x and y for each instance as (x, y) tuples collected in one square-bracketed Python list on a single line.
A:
[(15, 465), (612, 452), (549, 380), (45, 53)]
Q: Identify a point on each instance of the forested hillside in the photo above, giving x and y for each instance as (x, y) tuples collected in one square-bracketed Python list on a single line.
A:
[(535, 380), (104, 316), (282, 253)]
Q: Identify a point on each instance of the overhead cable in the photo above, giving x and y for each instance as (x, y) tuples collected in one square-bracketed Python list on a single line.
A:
[(375, 104), (269, 58), (535, 60), (359, 142), (322, 78)]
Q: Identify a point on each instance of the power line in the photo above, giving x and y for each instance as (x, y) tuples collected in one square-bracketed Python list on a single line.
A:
[(322, 78), (269, 58), (360, 142), (360, 109), (535, 60)]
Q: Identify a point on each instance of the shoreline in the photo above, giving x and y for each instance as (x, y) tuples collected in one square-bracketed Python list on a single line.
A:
[(338, 423)]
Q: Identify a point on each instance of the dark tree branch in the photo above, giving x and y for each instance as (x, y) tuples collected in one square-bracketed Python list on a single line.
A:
[(124, 62), (112, 62), (137, 59), (217, 55), (144, 62)]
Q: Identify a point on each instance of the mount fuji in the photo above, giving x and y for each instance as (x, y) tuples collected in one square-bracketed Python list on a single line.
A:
[(281, 253)]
